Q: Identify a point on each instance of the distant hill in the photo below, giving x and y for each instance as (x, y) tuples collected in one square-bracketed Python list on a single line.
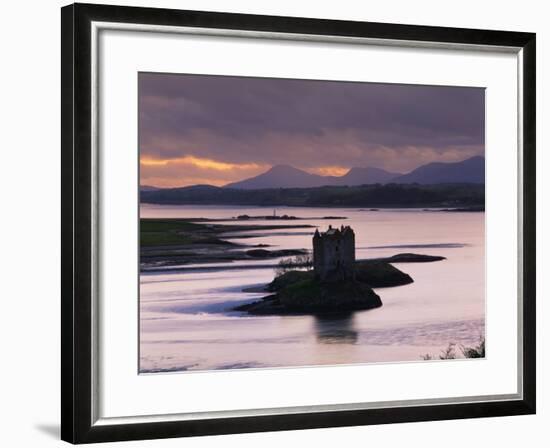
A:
[(280, 176), (363, 176), (389, 195), (148, 188), (468, 171), (286, 176)]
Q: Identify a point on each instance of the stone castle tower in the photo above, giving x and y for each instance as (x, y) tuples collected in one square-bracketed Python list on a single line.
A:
[(334, 254)]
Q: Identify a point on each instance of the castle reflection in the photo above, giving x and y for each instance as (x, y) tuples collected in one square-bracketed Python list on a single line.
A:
[(335, 329)]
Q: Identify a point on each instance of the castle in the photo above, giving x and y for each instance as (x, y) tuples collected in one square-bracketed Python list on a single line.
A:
[(334, 254)]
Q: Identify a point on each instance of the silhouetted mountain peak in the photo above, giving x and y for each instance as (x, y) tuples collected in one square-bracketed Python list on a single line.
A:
[(471, 170), (366, 175), (283, 167), (280, 176)]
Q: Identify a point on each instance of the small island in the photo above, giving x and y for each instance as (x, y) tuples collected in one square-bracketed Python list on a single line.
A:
[(337, 284)]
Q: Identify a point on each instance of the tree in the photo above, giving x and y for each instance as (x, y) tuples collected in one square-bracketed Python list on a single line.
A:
[(297, 262)]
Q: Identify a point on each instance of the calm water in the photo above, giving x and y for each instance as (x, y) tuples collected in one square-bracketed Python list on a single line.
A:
[(186, 323)]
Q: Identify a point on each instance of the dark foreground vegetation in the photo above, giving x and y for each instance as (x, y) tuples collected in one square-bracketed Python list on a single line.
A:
[(476, 351), (466, 196)]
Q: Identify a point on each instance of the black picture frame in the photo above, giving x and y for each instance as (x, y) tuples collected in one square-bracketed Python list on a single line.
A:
[(77, 425)]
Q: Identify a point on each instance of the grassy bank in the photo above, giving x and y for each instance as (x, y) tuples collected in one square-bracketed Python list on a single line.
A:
[(165, 232), (166, 242)]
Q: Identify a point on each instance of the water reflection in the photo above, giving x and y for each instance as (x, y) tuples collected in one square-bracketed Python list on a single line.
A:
[(186, 323), (335, 329)]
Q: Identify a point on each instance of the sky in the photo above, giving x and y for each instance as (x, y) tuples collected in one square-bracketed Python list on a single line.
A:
[(201, 129)]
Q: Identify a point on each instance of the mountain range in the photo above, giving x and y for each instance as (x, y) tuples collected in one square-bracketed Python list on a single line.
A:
[(471, 170), (286, 176)]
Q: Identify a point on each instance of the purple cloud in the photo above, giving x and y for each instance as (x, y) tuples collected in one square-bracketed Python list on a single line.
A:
[(306, 123)]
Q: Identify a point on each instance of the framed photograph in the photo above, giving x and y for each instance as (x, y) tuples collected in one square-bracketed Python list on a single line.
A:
[(275, 223)]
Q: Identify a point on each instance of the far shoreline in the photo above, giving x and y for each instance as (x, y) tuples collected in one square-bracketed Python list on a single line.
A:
[(365, 208)]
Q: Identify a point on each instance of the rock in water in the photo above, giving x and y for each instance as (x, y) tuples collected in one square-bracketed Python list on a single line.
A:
[(313, 297), (300, 292), (289, 278), (379, 274), (346, 295), (375, 273), (413, 258)]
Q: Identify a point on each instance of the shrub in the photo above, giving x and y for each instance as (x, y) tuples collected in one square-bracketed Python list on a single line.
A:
[(285, 265), (449, 352), (477, 351)]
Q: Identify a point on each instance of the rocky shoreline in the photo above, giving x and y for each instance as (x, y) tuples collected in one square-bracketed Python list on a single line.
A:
[(300, 292), (171, 242), (312, 297), (168, 243)]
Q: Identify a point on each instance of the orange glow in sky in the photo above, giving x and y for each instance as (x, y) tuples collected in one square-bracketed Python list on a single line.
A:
[(199, 162), (191, 170), (329, 170)]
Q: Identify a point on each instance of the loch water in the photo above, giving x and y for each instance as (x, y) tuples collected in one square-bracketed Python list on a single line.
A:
[(186, 322)]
